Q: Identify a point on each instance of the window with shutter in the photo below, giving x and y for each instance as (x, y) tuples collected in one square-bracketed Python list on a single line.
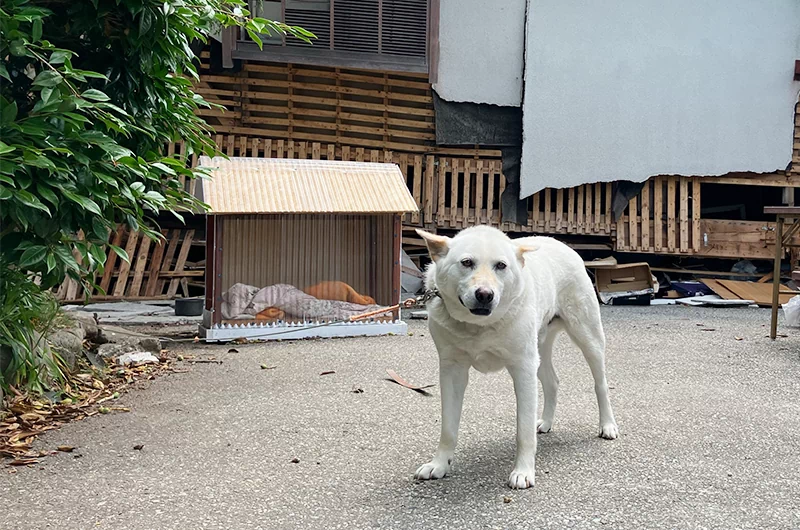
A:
[(391, 34)]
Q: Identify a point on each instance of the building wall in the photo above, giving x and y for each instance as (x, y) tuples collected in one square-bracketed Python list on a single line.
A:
[(629, 90), (481, 46)]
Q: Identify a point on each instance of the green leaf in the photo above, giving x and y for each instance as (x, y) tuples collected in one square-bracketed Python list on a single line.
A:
[(50, 261), (47, 194), (254, 36), (85, 202), (37, 30), (9, 113), (4, 71), (97, 253), (5, 148), (28, 199), (32, 256), (59, 56), (99, 228), (95, 95), (17, 47), (120, 252), (47, 78), (5, 193)]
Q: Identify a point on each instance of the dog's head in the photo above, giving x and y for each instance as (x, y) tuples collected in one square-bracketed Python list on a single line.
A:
[(478, 272)]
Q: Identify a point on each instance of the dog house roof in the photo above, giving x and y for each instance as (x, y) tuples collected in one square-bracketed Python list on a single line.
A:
[(243, 185)]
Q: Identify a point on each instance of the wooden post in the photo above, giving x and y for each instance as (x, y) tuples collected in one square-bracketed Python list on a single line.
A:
[(671, 213), (684, 213), (776, 277), (646, 216), (396, 261), (658, 214)]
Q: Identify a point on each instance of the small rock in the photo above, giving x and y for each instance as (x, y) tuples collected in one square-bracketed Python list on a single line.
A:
[(87, 322), (506, 500), (137, 358)]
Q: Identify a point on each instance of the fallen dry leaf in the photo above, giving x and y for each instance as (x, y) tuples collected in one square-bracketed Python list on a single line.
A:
[(233, 350), (65, 448), (394, 378), (23, 462), (295, 460), (738, 338), (328, 372), (138, 447), (27, 416)]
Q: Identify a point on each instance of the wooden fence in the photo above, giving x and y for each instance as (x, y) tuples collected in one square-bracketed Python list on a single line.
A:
[(153, 271)]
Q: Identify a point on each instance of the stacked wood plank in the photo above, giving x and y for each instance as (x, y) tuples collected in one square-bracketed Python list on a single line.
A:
[(154, 270)]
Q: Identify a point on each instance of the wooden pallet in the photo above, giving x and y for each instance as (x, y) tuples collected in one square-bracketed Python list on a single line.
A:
[(155, 270)]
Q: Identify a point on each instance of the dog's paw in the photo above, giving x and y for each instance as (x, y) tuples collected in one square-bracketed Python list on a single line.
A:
[(520, 480), (543, 426), (609, 431), (431, 471)]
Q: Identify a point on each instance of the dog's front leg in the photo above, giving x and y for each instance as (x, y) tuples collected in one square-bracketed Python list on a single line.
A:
[(453, 378), (524, 376)]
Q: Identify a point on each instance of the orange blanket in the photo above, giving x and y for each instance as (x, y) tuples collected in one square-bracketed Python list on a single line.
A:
[(271, 314), (335, 290)]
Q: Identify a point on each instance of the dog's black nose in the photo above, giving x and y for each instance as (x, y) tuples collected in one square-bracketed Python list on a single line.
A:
[(484, 296)]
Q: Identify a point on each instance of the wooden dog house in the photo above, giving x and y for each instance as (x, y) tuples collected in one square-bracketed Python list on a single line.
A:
[(297, 248)]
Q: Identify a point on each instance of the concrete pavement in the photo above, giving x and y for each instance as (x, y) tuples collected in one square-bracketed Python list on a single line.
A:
[(710, 439)]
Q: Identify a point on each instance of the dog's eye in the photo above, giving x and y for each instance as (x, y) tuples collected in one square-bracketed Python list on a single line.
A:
[(466, 262), (500, 266)]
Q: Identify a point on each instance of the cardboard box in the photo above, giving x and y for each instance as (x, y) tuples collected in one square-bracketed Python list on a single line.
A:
[(624, 281)]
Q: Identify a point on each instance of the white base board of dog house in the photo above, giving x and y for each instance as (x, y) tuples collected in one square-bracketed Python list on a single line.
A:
[(308, 330)]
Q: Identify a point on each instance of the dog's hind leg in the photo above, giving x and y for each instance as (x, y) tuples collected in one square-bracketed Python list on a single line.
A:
[(586, 331), (547, 374)]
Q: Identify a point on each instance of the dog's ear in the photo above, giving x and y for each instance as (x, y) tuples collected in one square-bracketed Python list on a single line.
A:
[(437, 245), (524, 249)]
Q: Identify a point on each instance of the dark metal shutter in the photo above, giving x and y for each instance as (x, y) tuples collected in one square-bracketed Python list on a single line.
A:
[(404, 27), (355, 25), (313, 15)]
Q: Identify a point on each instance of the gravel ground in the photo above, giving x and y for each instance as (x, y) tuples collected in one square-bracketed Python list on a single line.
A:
[(709, 410)]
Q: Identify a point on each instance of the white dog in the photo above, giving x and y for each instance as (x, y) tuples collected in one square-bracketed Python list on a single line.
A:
[(501, 303)]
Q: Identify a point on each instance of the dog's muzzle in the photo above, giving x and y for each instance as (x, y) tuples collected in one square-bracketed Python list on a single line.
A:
[(483, 302)]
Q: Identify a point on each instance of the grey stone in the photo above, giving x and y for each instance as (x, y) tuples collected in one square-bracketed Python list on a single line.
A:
[(68, 343), (87, 322), (117, 341)]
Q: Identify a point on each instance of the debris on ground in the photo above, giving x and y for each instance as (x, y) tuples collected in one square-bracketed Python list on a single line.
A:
[(27, 415), (295, 460), (357, 390), (265, 367), (632, 283), (137, 358), (395, 378), (328, 372), (759, 293), (138, 447)]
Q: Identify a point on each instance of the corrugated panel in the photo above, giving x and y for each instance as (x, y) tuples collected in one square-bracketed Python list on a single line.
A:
[(303, 250), (271, 185)]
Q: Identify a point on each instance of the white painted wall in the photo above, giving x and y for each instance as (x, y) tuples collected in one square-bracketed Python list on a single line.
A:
[(630, 89), (481, 44)]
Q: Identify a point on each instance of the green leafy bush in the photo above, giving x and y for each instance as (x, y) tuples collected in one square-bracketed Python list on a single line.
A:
[(90, 92)]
